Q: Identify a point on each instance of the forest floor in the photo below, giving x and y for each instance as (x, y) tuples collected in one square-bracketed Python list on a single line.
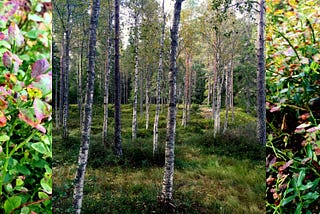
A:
[(225, 174)]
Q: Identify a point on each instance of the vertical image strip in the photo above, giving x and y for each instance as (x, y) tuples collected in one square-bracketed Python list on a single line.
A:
[(25, 106), (293, 106)]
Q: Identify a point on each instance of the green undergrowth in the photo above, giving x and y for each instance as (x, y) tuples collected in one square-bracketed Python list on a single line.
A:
[(212, 175)]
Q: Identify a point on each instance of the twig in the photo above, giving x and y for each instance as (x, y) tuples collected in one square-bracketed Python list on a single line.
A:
[(30, 203)]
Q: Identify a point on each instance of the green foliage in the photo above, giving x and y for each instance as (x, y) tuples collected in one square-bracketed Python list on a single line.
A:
[(25, 110), (293, 107)]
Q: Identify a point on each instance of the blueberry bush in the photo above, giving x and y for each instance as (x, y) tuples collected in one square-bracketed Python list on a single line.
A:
[(25, 106), (293, 106)]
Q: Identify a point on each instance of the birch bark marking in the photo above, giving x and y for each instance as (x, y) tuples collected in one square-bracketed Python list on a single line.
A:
[(117, 94), (136, 77), (261, 129), (160, 71), (167, 184), (85, 134)]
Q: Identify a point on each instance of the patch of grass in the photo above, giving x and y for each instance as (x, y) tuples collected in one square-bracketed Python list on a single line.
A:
[(221, 175)]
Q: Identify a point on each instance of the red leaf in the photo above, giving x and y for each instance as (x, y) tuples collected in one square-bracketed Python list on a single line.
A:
[(286, 165), (39, 67), (275, 108), (3, 119), (41, 109)]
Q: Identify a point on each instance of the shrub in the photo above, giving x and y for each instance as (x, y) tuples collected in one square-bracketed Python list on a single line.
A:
[(25, 110)]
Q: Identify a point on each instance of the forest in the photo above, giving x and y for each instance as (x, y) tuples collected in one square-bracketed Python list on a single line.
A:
[(156, 108)]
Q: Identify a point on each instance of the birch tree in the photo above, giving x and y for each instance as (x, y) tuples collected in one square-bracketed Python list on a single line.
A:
[(167, 184), (85, 134), (261, 96), (107, 75), (117, 94), (136, 77), (160, 71)]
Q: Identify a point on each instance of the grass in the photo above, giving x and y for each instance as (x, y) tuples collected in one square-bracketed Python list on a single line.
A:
[(221, 175)]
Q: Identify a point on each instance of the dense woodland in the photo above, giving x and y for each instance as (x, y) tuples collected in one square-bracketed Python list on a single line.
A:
[(131, 84)]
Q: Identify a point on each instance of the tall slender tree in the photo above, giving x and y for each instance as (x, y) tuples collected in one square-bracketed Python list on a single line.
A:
[(106, 76), (167, 184), (261, 96), (117, 94), (136, 77), (160, 71), (86, 128)]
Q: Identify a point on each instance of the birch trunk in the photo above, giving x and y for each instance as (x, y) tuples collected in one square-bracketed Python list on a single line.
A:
[(160, 71), (56, 98), (85, 134), (117, 94), (79, 80), (66, 76), (147, 98), (106, 79), (136, 78), (61, 103), (261, 96), (186, 92), (167, 184), (189, 87), (227, 99)]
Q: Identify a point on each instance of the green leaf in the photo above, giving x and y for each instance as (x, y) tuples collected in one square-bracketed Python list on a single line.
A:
[(310, 196), (287, 200), (4, 137), (46, 187), (4, 43), (301, 177), (32, 34), (42, 195), (35, 18), (25, 210), (8, 187), (298, 209), (40, 147), (19, 182), (12, 203)]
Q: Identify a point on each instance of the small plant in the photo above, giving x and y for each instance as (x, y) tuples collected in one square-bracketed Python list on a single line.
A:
[(25, 110)]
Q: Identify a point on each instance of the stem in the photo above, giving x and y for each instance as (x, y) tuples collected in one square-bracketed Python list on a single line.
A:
[(283, 36)]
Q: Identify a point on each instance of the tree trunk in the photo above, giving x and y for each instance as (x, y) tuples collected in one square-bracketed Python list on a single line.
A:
[(231, 88), (147, 98), (79, 80), (66, 76), (160, 71), (85, 134), (167, 184), (261, 96), (136, 79), (189, 87), (227, 98), (61, 103), (106, 78), (214, 88), (56, 98), (186, 92), (117, 93)]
